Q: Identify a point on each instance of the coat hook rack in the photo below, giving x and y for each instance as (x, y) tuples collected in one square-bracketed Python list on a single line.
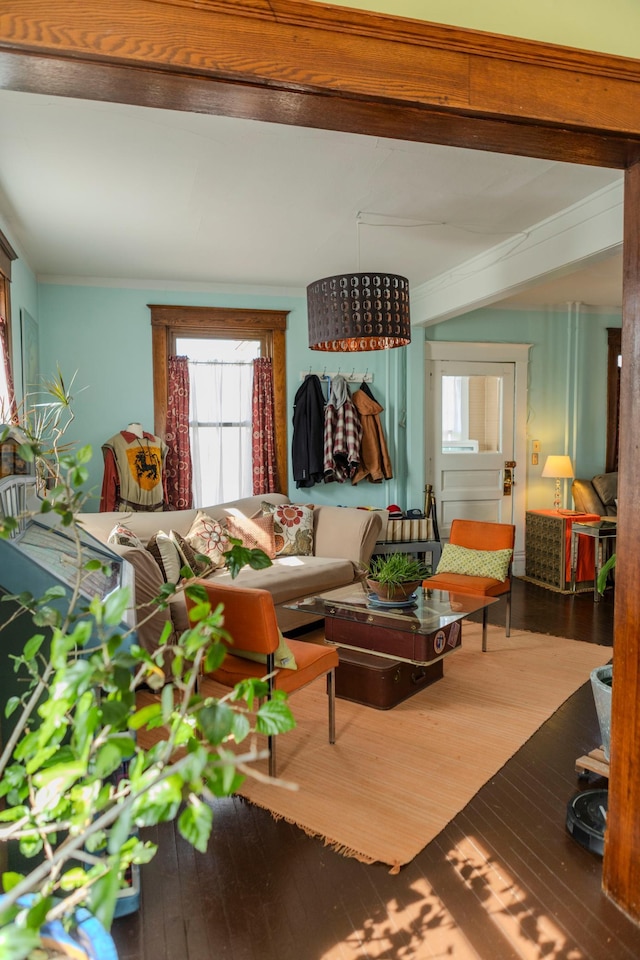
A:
[(352, 377)]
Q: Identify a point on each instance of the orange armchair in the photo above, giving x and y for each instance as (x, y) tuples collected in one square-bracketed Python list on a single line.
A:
[(478, 535), (250, 619)]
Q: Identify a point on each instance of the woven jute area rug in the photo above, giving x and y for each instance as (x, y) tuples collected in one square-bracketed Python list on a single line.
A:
[(395, 778)]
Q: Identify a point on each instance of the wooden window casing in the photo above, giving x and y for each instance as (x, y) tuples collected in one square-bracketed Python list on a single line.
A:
[(613, 398), (7, 255), (170, 323)]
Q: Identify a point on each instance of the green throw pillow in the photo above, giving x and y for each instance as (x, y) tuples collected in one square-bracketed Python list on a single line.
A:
[(284, 656), (475, 563)]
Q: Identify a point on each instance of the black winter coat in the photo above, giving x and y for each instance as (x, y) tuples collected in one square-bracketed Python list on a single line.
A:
[(307, 444)]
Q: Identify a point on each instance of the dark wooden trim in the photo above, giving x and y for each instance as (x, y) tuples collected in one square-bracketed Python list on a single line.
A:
[(160, 353), (321, 66), (318, 66), (614, 349), (7, 255), (217, 318), (269, 326), (621, 868)]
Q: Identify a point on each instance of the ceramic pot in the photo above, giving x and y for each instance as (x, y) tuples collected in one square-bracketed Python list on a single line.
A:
[(401, 591), (88, 939), (601, 680)]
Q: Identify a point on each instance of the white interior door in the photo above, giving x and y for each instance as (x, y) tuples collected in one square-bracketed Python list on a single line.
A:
[(472, 450)]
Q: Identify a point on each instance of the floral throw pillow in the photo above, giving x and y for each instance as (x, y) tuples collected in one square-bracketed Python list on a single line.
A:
[(210, 537), (124, 537), (292, 528), (255, 532)]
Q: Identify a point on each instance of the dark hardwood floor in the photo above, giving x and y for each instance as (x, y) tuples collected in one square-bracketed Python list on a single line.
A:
[(503, 880)]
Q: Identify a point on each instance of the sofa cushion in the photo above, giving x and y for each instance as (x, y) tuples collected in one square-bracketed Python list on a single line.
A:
[(124, 537), (208, 536), (606, 486), (255, 533), (292, 528), (166, 554), (189, 556), (148, 584), (493, 564), (287, 579)]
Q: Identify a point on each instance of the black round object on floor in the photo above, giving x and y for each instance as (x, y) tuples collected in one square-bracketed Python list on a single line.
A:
[(587, 819)]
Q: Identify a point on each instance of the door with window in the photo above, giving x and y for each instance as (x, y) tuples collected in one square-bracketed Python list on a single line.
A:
[(472, 406)]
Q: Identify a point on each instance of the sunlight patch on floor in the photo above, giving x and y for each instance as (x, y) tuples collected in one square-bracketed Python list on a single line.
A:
[(418, 928), (532, 933)]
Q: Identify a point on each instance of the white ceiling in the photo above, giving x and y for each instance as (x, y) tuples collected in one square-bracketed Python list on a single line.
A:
[(116, 192)]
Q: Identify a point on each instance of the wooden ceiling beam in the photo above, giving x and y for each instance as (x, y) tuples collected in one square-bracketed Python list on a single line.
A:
[(331, 68)]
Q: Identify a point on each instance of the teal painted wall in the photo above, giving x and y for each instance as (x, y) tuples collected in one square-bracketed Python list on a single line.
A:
[(567, 382), (103, 335)]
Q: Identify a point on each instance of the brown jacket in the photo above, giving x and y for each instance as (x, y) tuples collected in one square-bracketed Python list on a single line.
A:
[(375, 464)]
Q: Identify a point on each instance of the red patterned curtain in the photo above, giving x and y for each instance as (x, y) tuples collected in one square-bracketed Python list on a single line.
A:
[(263, 445), (178, 467), (12, 410)]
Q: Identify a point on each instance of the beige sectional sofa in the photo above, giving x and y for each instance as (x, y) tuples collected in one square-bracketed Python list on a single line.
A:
[(343, 540)]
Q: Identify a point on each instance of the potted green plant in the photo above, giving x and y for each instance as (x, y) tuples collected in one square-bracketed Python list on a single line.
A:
[(602, 677), (76, 781), (603, 574), (395, 576)]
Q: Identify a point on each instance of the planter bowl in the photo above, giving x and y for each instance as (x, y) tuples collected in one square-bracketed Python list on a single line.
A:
[(399, 591)]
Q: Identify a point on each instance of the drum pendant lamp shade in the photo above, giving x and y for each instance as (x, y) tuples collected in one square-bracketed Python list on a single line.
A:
[(358, 311)]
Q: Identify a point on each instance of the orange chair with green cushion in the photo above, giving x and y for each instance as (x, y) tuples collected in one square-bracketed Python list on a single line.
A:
[(477, 560), (258, 648)]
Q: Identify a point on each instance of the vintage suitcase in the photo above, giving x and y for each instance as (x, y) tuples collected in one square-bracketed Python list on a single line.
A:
[(379, 682)]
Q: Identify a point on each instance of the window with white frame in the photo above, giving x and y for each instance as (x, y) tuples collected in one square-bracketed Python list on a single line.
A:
[(220, 380)]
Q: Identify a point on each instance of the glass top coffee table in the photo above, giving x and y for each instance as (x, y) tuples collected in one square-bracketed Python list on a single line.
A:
[(388, 652), (418, 632)]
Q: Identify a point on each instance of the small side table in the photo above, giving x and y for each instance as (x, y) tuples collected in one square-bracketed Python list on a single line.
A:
[(548, 549), (602, 531)]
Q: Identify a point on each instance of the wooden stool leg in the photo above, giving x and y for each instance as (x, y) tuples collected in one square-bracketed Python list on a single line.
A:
[(484, 630)]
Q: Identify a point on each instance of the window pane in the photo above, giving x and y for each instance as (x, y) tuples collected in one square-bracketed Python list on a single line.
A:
[(471, 414), (224, 464), (221, 380)]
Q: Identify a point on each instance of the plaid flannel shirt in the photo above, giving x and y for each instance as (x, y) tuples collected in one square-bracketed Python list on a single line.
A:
[(342, 435)]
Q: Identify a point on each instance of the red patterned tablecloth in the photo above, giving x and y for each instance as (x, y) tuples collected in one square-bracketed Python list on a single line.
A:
[(586, 545)]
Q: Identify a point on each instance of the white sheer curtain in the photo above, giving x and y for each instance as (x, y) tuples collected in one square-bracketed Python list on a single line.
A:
[(220, 425)]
